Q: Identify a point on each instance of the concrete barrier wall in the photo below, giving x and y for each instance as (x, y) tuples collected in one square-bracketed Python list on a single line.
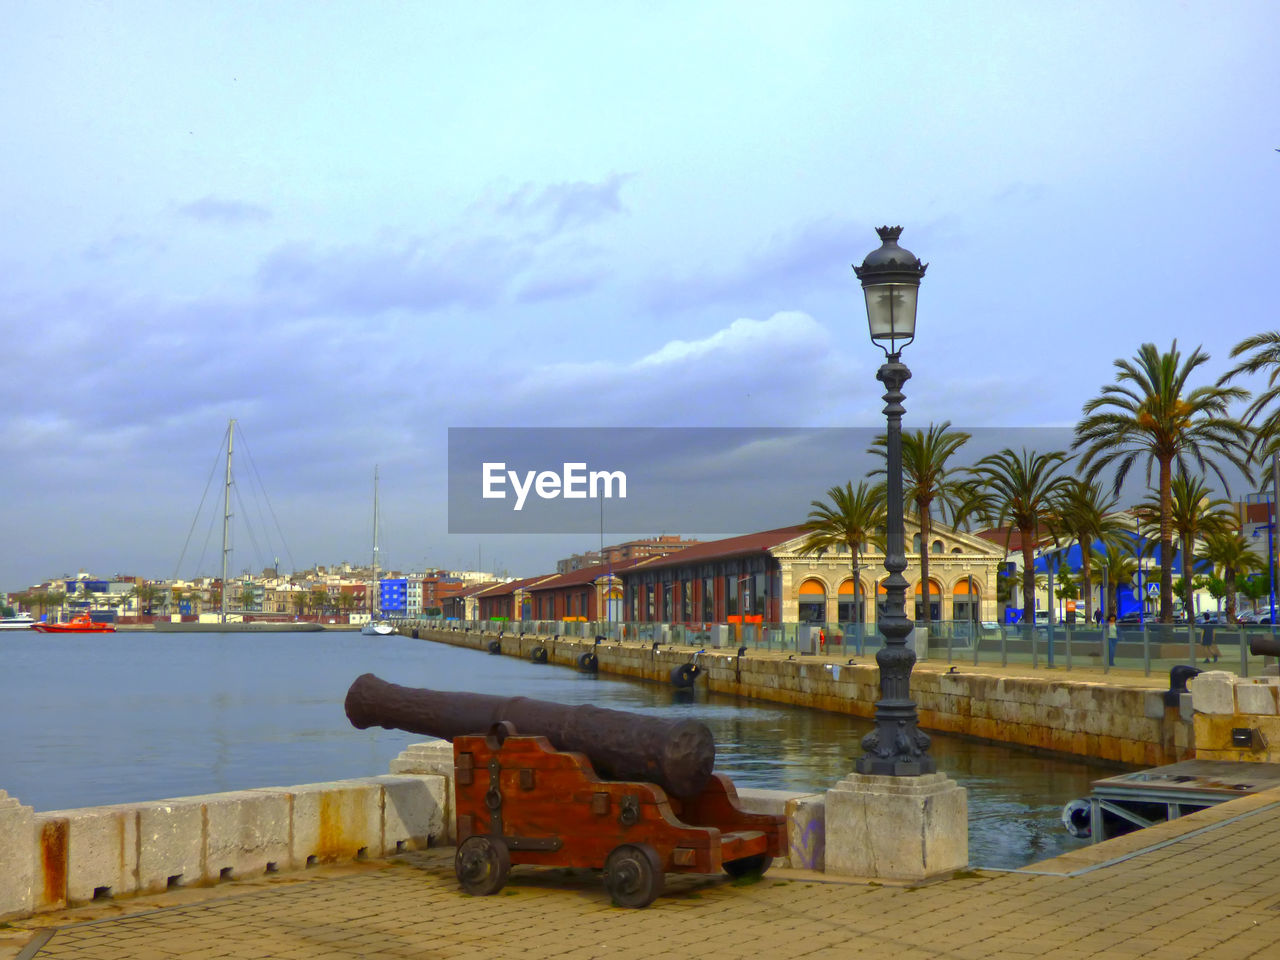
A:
[(50, 860), (1101, 721)]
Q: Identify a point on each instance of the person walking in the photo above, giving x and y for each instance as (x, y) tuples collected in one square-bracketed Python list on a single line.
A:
[(1113, 637), (1210, 647)]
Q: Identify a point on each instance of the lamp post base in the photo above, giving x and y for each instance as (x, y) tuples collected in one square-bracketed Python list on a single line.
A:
[(897, 828)]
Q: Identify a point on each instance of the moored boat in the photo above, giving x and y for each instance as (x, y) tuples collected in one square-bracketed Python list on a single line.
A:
[(22, 621), (377, 628), (81, 623)]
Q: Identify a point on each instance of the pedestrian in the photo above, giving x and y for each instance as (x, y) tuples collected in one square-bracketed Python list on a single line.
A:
[(1097, 616), (1113, 637), (1210, 648)]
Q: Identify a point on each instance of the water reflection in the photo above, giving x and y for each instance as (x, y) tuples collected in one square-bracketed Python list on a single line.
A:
[(141, 716)]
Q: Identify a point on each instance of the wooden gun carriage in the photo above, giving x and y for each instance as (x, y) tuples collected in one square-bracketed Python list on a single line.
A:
[(538, 798)]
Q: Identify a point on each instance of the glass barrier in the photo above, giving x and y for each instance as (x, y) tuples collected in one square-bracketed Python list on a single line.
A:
[(1152, 648)]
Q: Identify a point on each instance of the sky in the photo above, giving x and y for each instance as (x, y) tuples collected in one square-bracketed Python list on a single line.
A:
[(352, 226)]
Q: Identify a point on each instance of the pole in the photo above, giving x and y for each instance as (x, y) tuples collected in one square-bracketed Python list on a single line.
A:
[(1275, 502), (1271, 564), (226, 523), (896, 747), (1142, 597)]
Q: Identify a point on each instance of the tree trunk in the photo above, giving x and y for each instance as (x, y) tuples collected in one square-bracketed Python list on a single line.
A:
[(1229, 576), (1028, 579), (1186, 578), (924, 568), (1086, 558), (1166, 542)]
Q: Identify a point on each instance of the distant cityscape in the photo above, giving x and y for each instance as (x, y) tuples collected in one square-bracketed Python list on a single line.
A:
[(335, 590)]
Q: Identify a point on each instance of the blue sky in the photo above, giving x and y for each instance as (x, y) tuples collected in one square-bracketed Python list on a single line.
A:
[(352, 226)]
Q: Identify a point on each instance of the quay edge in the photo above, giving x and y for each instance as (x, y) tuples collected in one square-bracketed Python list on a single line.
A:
[(1101, 720)]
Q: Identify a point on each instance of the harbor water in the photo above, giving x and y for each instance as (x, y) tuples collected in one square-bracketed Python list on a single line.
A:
[(135, 716)]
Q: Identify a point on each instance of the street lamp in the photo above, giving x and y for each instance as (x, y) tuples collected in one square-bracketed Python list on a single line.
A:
[(890, 279)]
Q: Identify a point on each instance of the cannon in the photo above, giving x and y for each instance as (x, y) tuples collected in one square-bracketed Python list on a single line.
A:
[(1264, 645), (547, 784)]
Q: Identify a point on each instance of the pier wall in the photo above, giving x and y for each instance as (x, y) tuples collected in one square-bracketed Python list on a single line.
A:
[(1101, 721), (49, 860)]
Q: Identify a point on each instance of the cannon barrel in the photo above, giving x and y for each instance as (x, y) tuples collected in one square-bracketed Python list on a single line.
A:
[(677, 755), (1264, 645)]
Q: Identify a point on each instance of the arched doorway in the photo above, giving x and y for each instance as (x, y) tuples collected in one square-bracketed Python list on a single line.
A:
[(966, 601), (812, 602), (935, 601), (852, 605)]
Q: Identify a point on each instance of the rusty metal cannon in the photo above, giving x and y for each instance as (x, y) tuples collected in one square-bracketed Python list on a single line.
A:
[(1264, 645), (554, 785)]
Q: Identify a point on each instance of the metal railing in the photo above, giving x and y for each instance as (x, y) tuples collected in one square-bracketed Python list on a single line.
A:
[(1151, 648)]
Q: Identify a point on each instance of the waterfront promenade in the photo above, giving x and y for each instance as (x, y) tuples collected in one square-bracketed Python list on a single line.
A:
[(1205, 886)]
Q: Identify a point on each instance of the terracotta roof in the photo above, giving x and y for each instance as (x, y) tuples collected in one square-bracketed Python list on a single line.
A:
[(730, 547), (588, 574), (509, 588)]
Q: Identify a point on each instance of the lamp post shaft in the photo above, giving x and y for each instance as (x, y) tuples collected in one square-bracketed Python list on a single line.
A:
[(896, 747)]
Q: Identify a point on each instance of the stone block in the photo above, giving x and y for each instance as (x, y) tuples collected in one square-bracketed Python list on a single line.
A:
[(335, 821), (170, 844), (413, 811), (896, 828), (17, 857), (246, 834), (1153, 705), (806, 832), (101, 852), (1256, 698), (1212, 692)]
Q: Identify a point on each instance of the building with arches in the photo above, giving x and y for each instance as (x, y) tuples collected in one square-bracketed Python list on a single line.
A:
[(764, 577)]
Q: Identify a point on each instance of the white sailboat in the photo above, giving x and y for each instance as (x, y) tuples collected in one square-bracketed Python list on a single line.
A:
[(375, 628)]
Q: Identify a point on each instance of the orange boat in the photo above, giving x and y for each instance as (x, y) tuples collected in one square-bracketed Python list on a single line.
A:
[(77, 624)]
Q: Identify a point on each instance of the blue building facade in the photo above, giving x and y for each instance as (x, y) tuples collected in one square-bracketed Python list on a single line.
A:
[(393, 596)]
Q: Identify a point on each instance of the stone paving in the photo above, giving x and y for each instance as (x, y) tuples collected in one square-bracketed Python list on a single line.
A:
[(1207, 885)]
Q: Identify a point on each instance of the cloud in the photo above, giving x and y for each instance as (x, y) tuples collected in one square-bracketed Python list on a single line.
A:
[(480, 261), (814, 254), (213, 210), (566, 205)]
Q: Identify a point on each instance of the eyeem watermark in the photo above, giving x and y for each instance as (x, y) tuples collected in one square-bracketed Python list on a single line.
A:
[(573, 482)]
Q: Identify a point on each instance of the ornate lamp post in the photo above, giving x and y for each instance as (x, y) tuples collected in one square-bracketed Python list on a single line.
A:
[(890, 279)]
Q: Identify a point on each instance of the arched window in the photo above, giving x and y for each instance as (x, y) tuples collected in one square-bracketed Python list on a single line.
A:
[(915, 543), (936, 547), (813, 602), (956, 550)]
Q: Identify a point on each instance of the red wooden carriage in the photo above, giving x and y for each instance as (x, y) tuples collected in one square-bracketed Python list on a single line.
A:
[(519, 801)]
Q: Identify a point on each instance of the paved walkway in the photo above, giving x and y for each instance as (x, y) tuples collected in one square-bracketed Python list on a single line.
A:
[(1204, 886)]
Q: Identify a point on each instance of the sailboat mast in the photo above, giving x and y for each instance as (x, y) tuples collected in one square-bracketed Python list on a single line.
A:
[(374, 595), (226, 519)]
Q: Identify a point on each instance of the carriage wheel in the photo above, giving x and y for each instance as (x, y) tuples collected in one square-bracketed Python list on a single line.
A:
[(482, 864), (753, 866), (633, 875)]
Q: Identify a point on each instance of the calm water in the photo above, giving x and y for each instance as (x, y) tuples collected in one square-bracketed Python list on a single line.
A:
[(141, 716)]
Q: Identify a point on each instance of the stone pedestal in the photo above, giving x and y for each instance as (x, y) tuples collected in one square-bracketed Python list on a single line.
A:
[(897, 828), (17, 857)]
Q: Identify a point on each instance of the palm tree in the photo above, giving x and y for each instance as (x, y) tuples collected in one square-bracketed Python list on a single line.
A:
[(1084, 514), (1195, 513), (1115, 566), (1266, 356), (928, 482), (1021, 490), (1231, 552), (1150, 413), (852, 519)]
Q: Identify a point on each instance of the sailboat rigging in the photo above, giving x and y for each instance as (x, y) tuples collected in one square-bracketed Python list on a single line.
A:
[(221, 624), (375, 628)]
